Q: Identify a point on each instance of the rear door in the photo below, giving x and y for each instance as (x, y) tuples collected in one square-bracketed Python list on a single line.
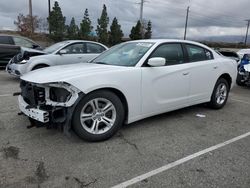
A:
[(204, 70), (165, 88)]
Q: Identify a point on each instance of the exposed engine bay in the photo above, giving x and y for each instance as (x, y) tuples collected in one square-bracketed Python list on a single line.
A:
[(49, 104)]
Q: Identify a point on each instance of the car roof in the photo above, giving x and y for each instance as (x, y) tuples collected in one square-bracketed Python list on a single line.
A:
[(74, 41), (244, 50), (159, 41)]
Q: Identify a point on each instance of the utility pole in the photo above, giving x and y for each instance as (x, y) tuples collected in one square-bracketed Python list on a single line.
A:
[(49, 15), (185, 33), (141, 16), (248, 24), (31, 16), (141, 10)]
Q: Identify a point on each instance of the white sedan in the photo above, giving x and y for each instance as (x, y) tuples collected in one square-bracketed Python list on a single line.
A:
[(129, 82), (66, 52)]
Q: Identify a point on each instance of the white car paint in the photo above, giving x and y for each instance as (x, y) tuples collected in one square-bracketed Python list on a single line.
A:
[(148, 90), (52, 59), (247, 68), (242, 52)]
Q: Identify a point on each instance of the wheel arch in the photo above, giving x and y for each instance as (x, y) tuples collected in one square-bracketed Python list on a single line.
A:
[(121, 97), (228, 78)]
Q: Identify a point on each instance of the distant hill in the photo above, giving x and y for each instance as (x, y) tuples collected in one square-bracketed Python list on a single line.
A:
[(227, 38)]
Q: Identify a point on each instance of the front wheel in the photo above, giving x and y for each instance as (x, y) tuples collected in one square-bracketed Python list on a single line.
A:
[(220, 94), (98, 116)]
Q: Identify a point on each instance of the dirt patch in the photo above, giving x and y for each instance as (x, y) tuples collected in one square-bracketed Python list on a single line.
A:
[(11, 152), (40, 175)]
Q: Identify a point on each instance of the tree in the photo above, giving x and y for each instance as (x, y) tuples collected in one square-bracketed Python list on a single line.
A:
[(23, 24), (116, 34), (148, 33), (57, 23), (85, 26), (102, 27), (72, 30), (136, 31)]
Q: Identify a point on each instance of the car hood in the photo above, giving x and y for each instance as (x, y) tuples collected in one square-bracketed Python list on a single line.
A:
[(66, 73), (30, 50), (26, 54)]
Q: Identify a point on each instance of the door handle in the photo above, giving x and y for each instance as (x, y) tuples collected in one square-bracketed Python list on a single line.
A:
[(215, 67), (79, 57), (185, 73)]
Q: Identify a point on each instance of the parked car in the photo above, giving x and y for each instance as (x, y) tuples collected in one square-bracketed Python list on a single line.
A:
[(242, 52), (11, 45), (7, 52), (243, 77), (231, 54), (66, 52), (129, 82)]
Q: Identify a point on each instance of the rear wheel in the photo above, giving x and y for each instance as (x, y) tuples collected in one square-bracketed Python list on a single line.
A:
[(98, 116), (220, 94)]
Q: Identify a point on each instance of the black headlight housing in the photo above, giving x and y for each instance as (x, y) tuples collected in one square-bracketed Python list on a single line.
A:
[(59, 94)]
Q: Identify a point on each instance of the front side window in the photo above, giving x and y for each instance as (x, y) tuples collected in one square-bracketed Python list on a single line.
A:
[(173, 53), (94, 48), (78, 48), (196, 53), (125, 54), (23, 42)]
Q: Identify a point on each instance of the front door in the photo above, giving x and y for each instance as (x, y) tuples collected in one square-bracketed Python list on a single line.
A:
[(166, 88)]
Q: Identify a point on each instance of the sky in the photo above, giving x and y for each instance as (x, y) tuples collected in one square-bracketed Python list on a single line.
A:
[(206, 17)]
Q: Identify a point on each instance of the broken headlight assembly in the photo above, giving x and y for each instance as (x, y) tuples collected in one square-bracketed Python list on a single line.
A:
[(61, 94)]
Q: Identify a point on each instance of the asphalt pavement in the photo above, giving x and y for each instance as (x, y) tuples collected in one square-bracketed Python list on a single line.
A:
[(38, 157)]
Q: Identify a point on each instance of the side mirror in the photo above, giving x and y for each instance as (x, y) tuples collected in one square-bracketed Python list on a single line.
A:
[(157, 62), (61, 52)]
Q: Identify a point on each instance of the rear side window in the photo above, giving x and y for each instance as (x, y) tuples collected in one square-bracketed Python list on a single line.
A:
[(5, 40), (196, 53), (173, 53), (94, 48)]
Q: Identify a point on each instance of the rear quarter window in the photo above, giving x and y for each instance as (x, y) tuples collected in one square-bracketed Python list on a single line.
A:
[(197, 53)]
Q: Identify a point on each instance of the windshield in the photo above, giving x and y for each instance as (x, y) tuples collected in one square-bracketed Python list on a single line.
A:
[(55, 47), (126, 54)]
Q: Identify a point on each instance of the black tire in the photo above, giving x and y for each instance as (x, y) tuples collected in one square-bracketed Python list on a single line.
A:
[(83, 132), (213, 102), (238, 80), (39, 67)]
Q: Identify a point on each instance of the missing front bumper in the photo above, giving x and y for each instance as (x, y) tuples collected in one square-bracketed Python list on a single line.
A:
[(34, 113)]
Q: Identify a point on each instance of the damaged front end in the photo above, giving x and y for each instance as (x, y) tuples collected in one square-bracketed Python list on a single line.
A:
[(49, 105), (245, 75)]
